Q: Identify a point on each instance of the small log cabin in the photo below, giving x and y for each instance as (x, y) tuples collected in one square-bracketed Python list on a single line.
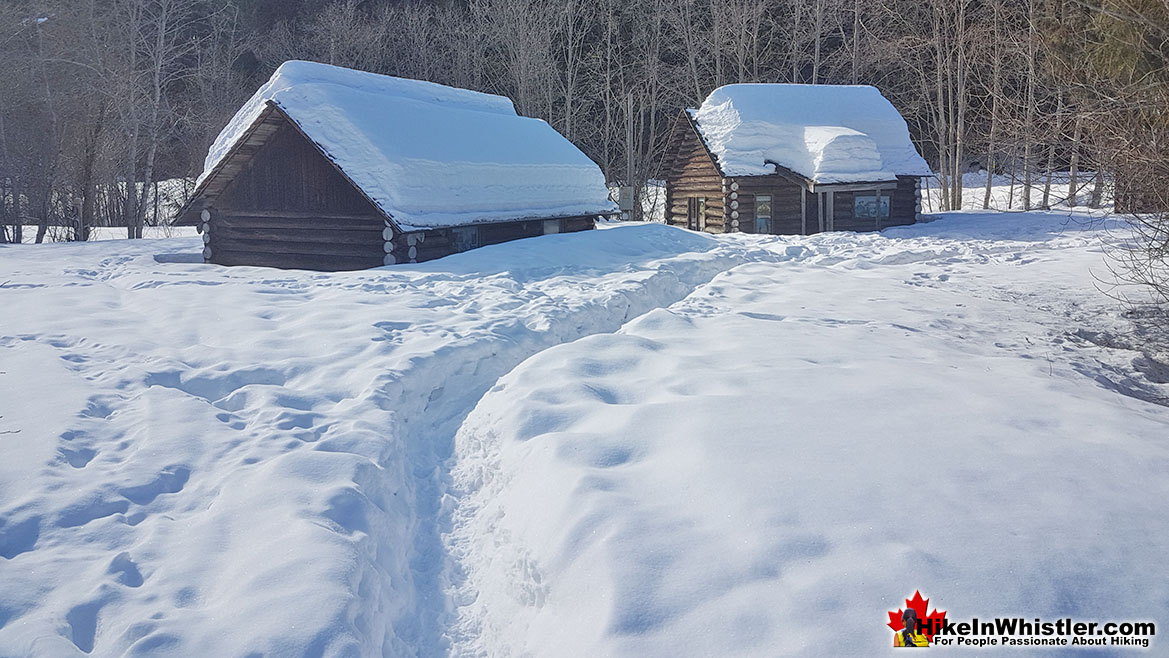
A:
[(328, 168), (792, 159)]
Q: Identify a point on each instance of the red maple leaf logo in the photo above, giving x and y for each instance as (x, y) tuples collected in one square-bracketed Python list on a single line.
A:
[(919, 606)]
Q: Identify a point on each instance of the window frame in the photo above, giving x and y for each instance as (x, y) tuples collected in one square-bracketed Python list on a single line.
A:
[(765, 219), (881, 200)]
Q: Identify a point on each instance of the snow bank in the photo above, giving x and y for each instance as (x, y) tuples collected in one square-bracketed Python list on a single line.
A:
[(826, 133), (770, 465), (428, 155)]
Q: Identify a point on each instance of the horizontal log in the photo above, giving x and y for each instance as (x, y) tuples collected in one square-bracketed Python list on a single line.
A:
[(303, 248), (421, 255), (582, 224), (305, 214), (295, 261), (703, 183), (295, 223), (706, 171), (285, 234)]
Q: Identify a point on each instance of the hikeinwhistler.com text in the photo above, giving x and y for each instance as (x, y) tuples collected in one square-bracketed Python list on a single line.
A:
[(1019, 632)]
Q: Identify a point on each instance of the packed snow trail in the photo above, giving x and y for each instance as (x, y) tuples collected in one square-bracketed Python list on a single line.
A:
[(771, 465), (242, 460)]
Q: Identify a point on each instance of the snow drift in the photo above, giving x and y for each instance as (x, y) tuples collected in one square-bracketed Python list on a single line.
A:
[(769, 466)]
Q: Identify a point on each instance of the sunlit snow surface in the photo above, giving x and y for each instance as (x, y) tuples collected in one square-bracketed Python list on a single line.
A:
[(749, 446)]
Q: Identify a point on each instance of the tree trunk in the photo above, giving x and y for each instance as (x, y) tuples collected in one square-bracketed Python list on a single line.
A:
[(797, 20), (942, 125), (818, 21), (1014, 173), (958, 99), (130, 207), (17, 217), (1056, 137), (856, 35), (996, 92), (54, 142), (1029, 122), (4, 164), (1074, 164), (87, 182)]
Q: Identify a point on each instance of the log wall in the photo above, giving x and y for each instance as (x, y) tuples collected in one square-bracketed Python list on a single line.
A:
[(690, 173), (786, 206), (905, 205), (287, 206), (903, 208), (419, 246)]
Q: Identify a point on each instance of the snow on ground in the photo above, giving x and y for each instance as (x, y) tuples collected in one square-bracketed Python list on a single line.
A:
[(1007, 194), (240, 459), (768, 466), (99, 233), (739, 445)]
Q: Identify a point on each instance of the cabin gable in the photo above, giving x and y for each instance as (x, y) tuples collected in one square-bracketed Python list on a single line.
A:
[(290, 173), (694, 184), (277, 201)]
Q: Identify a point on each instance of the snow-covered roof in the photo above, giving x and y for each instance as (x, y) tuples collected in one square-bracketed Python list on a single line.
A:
[(428, 155), (826, 133)]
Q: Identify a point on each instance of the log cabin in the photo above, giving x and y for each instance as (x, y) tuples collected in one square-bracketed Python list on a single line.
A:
[(327, 168), (792, 159)]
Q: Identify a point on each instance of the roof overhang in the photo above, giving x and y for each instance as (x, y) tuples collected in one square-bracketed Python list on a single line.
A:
[(853, 187)]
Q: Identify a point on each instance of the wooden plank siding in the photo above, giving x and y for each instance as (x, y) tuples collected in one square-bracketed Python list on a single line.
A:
[(285, 205), (289, 173)]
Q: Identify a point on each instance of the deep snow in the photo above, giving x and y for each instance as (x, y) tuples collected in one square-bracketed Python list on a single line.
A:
[(826, 133), (699, 445), (768, 466)]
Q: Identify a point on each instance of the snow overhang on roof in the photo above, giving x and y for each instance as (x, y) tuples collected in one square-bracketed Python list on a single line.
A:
[(825, 133), (428, 155)]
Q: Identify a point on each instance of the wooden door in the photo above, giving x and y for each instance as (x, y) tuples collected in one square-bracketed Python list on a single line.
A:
[(696, 213)]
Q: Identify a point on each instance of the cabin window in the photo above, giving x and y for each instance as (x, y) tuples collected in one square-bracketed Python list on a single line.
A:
[(872, 206), (763, 213), (551, 226)]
